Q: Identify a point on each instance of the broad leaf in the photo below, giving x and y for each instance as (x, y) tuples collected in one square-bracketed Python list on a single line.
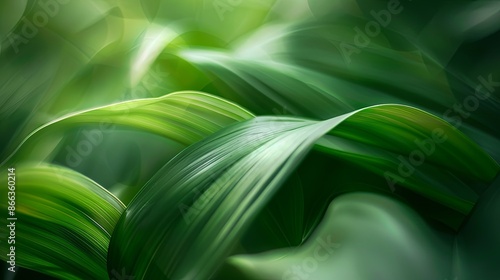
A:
[(212, 191)]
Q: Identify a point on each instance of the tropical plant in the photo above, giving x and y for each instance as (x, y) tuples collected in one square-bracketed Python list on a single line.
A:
[(257, 139)]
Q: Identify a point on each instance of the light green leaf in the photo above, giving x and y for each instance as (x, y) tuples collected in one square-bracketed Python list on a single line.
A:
[(64, 221), (185, 117)]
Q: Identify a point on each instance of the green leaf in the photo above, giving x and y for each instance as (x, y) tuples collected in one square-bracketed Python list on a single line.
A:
[(213, 190), (474, 256), (362, 236), (64, 221), (185, 117)]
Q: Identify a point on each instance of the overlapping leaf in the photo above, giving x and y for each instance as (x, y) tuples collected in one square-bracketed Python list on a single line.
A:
[(301, 68), (64, 222), (316, 69), (210, 193), (185, 117)]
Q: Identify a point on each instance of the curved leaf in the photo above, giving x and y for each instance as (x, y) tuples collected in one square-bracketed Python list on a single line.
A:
[(185, 117), (212, 190), (359, 230), (64, 222)]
